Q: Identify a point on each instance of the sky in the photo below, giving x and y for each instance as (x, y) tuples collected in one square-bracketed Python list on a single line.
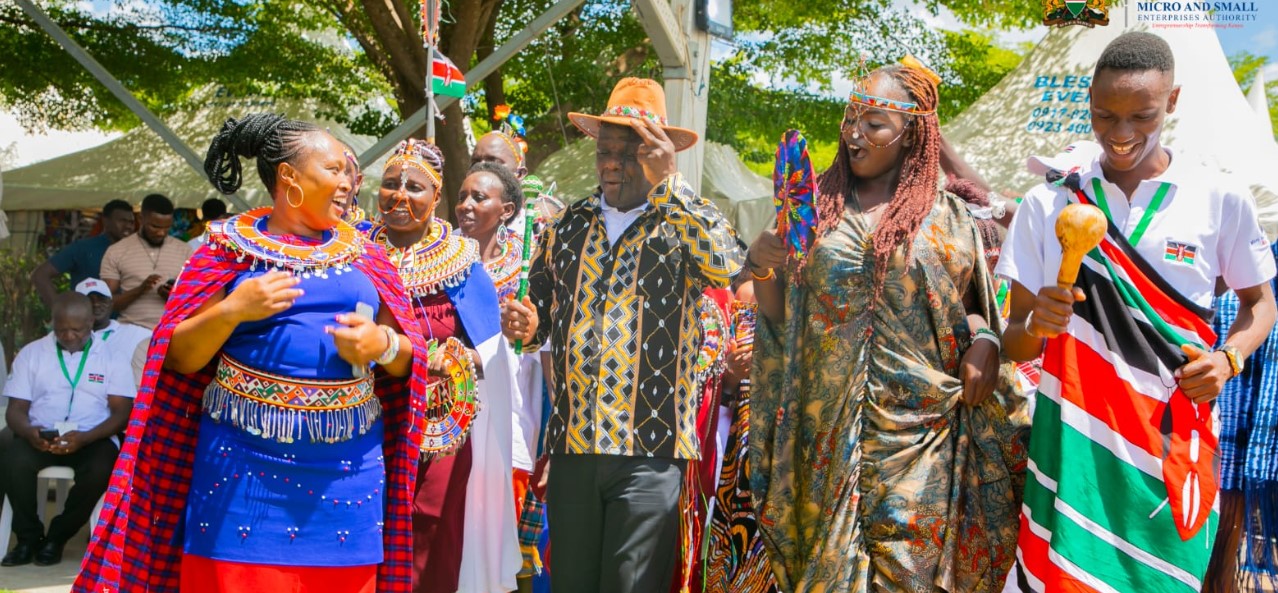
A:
[(1258, 38)]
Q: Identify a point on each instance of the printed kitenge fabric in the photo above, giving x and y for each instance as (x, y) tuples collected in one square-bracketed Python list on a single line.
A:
[(1122, 465), (137, 544), (622, 322), (735, 558), (868, 472), (1249, 440)]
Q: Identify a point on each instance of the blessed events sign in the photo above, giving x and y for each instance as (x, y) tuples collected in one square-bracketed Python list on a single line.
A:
[(1059, 103)]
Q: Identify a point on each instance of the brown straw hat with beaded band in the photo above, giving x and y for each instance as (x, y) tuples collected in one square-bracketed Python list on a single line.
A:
[(635, 98)]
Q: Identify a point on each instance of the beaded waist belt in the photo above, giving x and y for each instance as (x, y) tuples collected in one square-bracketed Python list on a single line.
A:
[(287, 409)]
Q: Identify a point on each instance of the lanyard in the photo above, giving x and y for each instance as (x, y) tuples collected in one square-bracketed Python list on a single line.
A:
[(84, 358), (106, 335), (1154, 204)]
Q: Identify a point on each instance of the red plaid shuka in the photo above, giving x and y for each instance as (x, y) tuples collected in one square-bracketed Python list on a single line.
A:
[(137, 544)]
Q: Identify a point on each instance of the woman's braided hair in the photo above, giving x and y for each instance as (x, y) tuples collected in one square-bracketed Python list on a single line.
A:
[(916, 186), (271, 139)]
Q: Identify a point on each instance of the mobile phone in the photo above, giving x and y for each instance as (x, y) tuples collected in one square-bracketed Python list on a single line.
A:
[(365, 310), (49, 434)]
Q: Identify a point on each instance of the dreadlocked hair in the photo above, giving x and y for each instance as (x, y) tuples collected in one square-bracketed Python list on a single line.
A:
[(916, 183), (970, 192), (271, 139)]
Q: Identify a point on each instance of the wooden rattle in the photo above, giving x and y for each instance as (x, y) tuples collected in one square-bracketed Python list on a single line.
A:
[(1079, 229)]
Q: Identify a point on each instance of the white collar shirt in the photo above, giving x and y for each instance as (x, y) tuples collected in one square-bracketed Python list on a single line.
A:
[(38, 377), (1205, 227), (616, 222)]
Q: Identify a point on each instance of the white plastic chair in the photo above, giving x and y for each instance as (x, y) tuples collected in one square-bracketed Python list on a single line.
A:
[(64, 476)]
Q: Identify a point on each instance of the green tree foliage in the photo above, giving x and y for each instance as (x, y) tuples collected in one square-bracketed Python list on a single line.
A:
[(789, 59), (162, 51), (1245, 66)]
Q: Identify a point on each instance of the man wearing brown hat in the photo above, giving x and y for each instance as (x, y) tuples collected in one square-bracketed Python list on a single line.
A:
[(616, 283)]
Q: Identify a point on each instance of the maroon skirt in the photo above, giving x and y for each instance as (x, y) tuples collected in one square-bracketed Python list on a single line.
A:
[(439, 512)]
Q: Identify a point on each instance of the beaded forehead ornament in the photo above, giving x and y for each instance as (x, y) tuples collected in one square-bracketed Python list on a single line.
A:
[(860, 97), (860, 102), (424, 157), (418, 155)]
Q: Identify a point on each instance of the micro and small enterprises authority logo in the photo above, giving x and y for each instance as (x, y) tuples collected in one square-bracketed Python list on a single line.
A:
[(1087, 13)]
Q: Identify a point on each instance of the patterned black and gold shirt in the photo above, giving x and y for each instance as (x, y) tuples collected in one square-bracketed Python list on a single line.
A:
[(622, 322)]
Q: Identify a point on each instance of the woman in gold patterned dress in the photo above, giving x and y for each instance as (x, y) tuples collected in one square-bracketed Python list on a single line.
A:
[(880, 461)]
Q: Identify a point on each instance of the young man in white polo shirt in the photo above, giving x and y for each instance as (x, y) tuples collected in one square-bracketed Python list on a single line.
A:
[(124, 339), (68, 397), (1127, 373)]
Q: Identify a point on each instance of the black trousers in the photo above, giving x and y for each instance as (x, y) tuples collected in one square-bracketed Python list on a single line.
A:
[(92, 465), (614, 523), (6, 439)]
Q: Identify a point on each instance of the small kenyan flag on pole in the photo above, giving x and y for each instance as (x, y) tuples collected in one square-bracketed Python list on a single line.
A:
[(447, 78), (1075, 6)]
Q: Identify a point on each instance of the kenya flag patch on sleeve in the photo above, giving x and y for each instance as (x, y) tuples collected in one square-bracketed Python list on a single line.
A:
[(1180, 252)]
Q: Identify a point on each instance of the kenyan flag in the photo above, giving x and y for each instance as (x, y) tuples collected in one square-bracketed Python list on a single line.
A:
[(1122, 471), (446, 78), (1180, 252)]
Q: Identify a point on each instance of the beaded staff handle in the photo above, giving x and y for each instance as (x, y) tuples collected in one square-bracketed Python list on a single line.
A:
[(530, 224), (1079, 229)]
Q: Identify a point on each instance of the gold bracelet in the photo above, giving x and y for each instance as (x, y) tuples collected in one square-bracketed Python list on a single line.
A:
[(771, 274)]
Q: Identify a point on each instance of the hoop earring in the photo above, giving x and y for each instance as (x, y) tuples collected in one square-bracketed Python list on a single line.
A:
[(299, 190)]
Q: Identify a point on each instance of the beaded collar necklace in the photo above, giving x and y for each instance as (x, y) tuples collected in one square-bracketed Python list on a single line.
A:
[(441, 260), (505, 269), (245, 235)]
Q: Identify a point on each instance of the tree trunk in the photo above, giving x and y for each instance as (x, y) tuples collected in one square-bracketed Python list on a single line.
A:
[(494, 90)]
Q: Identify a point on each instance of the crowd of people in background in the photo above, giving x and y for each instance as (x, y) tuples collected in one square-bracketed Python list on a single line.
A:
[(622, 395)]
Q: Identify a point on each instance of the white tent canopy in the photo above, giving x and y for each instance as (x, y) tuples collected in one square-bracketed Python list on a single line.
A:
[(1256, 97), (1042, 106), (140, 163), (743, 196)]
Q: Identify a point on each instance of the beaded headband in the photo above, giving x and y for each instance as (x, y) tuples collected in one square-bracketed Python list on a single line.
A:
[(511, 130), (353, 161), (886, 104), (515, 149), (416, 154), (860, 97)]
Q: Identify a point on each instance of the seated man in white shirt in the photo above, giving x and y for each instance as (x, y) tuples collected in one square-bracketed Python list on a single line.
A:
[(125, 339), (68, 396)]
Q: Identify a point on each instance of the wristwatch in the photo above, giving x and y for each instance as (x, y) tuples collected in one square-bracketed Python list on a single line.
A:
[(1235, 359)]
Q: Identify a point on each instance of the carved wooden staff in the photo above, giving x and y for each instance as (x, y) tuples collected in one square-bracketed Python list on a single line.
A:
[(1079, 229)]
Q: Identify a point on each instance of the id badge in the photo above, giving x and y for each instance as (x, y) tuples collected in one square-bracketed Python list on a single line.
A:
[(65, 427)]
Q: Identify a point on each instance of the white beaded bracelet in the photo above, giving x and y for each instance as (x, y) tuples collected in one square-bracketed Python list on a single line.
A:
[(988, 335), (392, 349)]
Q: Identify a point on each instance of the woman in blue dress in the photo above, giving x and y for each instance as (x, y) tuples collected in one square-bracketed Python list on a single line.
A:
[(275, 444)]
